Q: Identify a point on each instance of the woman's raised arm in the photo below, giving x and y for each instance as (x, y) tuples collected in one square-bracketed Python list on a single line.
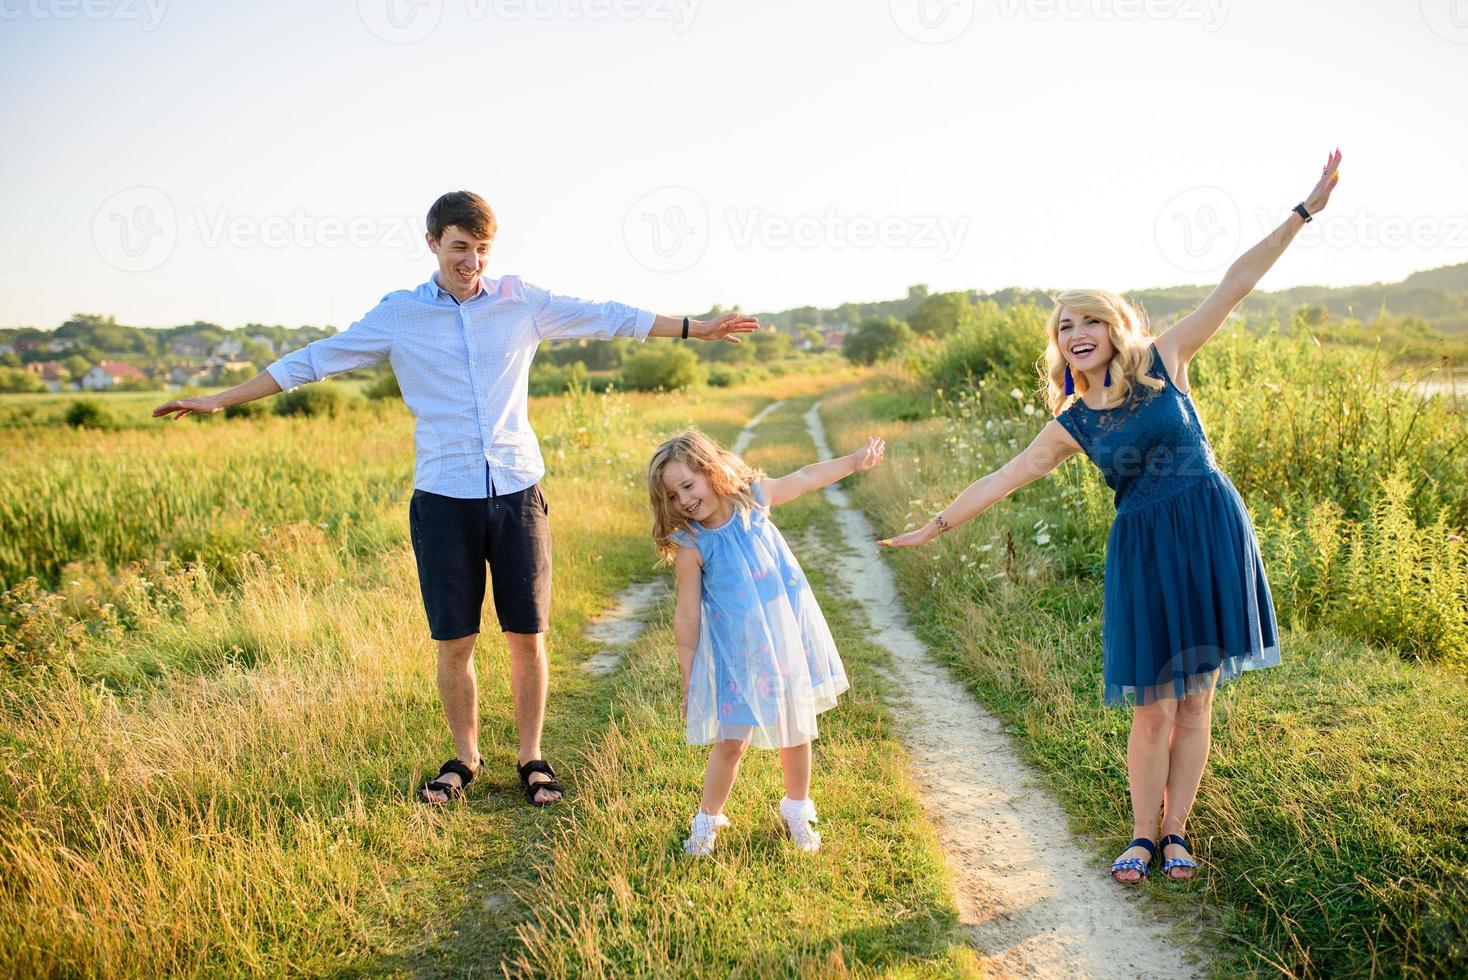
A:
[(1185, 338)]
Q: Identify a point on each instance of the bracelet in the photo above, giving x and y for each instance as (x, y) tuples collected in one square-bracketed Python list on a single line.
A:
[(943, 526), (1300, 210), (685, 323)]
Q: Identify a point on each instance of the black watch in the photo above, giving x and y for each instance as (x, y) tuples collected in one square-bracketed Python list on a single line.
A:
[(685, 319), (1300, 210)]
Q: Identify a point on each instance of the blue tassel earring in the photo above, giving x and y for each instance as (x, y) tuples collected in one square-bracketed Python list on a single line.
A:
[(1070, 383), (1107, 382)]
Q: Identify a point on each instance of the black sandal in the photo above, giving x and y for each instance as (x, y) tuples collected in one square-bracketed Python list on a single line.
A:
[(550, 785), (465, 774)]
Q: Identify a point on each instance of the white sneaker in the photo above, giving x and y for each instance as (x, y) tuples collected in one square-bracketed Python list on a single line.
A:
[(798, 816), (705, 832)]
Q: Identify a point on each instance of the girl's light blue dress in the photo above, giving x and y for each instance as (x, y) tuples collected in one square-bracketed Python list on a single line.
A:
[(1186, 605), (766, 663)]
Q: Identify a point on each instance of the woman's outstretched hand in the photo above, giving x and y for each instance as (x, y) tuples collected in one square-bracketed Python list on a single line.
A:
[(912, 539), (1316, 202), (869, 455)]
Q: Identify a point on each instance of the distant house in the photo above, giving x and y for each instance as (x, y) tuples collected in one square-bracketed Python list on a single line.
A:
[(110, 373), (222, 366), (834, 337), (33, 343), (51, 373), (60, 344), (190, 347), (260, 338), (186, 374), (229, 347)]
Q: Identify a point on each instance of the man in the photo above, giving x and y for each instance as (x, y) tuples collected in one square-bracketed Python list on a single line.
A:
[(461, 347)]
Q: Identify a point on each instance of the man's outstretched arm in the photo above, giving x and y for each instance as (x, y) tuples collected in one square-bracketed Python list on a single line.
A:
[(730, 327), (260, 386)]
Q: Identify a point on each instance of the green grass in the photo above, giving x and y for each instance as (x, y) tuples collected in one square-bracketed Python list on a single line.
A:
[(1333, 820), (212, 771)]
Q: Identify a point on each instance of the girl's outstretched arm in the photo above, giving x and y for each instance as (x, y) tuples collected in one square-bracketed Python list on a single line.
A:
[(1182, 340), (824, 473), (1050, 448), (687, 614)]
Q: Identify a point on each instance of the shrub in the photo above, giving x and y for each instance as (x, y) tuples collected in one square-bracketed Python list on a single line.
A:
[(318, 400), (386, 386), (667, 367), (876, 340), (13, 380), (244, 410), (86, 413)]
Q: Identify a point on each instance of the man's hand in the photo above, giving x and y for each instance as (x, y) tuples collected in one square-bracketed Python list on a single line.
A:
[(728, 327), (205, 405)]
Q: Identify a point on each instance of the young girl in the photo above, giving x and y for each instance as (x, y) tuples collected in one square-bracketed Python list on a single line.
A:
[(1186, 606), (757, 658)]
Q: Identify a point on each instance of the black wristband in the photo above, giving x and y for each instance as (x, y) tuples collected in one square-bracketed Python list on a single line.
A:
[(1300, 210), (685, 319)]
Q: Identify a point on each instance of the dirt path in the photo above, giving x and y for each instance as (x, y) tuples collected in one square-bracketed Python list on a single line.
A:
[(1035, 902)]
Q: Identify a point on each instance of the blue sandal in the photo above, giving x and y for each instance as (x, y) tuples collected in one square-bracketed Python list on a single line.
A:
[(1172, 864), (1140, 866)]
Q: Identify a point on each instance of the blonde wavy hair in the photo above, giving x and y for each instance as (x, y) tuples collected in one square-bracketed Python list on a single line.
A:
[(729, 476), (1130, 335)]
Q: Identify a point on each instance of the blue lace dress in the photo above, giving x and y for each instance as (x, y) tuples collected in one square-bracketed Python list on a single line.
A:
[(766, 663), (1186, 605)]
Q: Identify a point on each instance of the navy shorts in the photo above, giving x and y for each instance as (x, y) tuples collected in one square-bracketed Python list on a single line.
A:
[(455, 539)]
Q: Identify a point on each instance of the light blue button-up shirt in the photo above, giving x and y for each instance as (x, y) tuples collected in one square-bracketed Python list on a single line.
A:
[(464, 370)]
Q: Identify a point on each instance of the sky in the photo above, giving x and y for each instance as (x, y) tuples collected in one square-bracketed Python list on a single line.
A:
[(168, 161)]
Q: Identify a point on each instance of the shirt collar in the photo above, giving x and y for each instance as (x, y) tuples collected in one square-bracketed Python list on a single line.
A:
[(438, 292)]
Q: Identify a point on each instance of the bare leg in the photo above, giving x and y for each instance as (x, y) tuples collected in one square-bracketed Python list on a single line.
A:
[(1146, 763), (529, 681), (718, 777), (795, 762), (1192, 732), (459, 692)]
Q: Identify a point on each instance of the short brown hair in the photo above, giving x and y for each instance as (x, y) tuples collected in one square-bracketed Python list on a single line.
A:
[(465, 209)]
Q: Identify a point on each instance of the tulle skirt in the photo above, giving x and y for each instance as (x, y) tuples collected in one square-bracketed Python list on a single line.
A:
[(1186, 605), (763, 672)]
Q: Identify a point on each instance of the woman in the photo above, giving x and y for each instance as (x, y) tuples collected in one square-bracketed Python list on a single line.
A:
[(1186, 605)]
